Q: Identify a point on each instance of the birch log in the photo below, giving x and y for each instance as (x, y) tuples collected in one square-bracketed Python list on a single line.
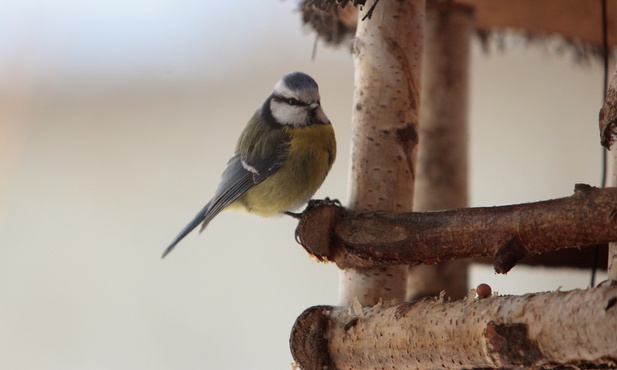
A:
[(608, 132), (387, 54), (542, 330), (441, 181)]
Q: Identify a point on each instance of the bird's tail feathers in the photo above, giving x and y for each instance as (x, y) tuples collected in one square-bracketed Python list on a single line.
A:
[(203, 216), (213, 210)]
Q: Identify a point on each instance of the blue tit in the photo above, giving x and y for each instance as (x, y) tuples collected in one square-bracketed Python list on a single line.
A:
[(281, 158)]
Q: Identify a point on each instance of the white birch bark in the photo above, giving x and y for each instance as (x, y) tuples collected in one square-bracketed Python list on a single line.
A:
[(608, 133), (541, 330), (387, 53)]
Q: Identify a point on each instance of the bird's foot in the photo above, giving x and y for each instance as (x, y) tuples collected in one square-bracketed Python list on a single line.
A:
[(323, 202)]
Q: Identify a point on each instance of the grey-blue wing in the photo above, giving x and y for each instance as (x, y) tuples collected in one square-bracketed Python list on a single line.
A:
[(241, 174), (260, 152), (235, 181)]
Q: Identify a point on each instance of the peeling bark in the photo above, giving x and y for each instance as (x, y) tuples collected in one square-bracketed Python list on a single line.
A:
[(507, 233), (535, 330)]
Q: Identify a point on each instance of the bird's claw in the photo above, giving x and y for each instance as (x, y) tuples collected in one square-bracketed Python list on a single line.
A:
[(295, 215), (323, 202)]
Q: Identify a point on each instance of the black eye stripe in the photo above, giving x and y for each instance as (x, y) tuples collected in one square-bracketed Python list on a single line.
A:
[(290, 101)]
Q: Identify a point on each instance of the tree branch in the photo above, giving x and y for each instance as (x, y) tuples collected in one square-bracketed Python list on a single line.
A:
[(531, 331), (507, 233)]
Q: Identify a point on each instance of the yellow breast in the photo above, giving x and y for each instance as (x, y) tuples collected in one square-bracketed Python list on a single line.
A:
[(311, 154)]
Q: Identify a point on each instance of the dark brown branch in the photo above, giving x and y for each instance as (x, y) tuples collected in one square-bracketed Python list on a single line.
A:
[(542, 330), (507, 233)]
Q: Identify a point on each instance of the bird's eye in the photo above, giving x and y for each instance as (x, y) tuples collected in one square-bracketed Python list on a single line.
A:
[(292, 101)]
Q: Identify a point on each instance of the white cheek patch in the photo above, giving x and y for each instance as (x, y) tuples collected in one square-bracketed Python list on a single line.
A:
[(287, 114)]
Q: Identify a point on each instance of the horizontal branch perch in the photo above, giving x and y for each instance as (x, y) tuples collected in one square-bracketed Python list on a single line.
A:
[(531, 331), (506, 233)]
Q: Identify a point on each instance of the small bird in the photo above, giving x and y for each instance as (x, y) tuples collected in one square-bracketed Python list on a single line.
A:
[(282, 156)]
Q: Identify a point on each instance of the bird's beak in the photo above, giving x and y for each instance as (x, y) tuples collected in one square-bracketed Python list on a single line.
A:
[(318, 113)]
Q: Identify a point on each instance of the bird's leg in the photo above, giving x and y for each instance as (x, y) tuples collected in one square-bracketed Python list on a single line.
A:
[(312, 204), (294, 214)]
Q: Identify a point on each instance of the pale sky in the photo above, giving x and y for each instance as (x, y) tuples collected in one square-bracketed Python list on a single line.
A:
[(129, 38)]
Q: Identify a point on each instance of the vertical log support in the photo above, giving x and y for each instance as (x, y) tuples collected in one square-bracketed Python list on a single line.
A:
[(611, 268), (387, 54), (441, 180), (608, 134), (612, 258)]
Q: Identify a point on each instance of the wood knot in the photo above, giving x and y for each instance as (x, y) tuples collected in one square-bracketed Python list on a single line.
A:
[(511, 343), (582, 188), (509, 254)]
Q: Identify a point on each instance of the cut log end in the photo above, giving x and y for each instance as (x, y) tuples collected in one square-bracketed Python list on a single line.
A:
[(315, 229), (308, 344)]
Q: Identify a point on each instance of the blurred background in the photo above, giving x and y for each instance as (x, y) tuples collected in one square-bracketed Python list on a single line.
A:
[(116, 120)]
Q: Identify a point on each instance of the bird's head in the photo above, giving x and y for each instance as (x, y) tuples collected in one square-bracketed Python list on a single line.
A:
[(295, 101)]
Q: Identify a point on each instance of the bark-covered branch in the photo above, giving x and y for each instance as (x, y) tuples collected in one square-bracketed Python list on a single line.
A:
[(531, 331), (506, 233)]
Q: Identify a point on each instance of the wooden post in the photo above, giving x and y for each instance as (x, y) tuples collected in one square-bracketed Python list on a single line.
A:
[(611, 101), (387, 54), (441, 181), (608, 133)]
